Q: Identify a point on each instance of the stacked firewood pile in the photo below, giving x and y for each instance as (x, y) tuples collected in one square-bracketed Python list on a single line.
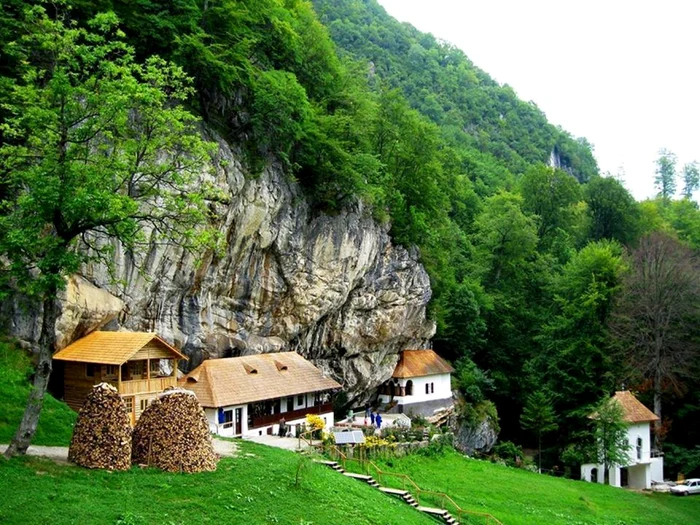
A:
[(102, 433), (172, 434)]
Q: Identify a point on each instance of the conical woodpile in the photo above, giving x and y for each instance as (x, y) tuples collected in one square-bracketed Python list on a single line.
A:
[(172, 434), (102, 433)]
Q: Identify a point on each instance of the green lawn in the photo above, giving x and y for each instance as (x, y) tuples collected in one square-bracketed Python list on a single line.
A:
[(56, 421), (258, 486), (519, 497)]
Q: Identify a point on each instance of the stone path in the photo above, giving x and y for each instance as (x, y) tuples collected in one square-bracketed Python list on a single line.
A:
[(60, 454), (278, 442)]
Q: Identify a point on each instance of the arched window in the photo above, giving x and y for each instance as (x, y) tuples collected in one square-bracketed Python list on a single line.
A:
[(639, 447), (409, 388)]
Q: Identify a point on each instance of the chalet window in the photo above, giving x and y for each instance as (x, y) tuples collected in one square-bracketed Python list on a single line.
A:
[(228, 418), (145, 403), (111, 371), (137, 369), (427, 388), (129, 404), (90, 370), (290, 403), (301, 400), (409, 388), (432, 388), (155, 367)]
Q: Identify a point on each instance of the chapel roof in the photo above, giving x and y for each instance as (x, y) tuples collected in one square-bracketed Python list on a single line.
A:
[(418, 363), (633, 411)]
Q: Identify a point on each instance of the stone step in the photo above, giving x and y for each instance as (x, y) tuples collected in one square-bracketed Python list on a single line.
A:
[(362, 477), (434, 511), (326, 462), (394, 492)]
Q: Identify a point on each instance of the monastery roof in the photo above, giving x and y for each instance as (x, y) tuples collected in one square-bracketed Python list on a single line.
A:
[(418, 363), (633, 411), (111, 348), (246, 379)]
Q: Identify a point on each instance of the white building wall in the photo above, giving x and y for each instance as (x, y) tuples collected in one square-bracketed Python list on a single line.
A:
[(642, 454), (441, 389), (657, 469), (299, 402), (219, 428)]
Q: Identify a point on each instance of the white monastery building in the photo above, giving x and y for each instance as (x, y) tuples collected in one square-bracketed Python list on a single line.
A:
[(420, 384), (250, 395), (642, 465)]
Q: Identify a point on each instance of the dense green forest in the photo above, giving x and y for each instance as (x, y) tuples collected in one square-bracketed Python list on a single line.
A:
[(541, 274)]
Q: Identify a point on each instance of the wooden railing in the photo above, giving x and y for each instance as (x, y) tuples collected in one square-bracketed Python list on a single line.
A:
[(441, 499), (143, 386)]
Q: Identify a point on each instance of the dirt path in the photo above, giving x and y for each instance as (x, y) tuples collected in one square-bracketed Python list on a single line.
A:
[(60, 454)]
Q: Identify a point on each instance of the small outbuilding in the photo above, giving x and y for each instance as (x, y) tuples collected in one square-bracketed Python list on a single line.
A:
[(138, 364), (251, 395), (420, 385), (643, 464)]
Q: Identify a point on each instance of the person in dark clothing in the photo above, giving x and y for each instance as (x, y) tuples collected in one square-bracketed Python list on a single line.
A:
[(372, 416), (379, 421), (283, 428)]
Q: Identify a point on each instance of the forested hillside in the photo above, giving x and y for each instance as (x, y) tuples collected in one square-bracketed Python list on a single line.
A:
[(538, 271)]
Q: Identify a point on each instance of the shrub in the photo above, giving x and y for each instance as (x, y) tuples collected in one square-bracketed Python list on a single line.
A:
[(509, 452)]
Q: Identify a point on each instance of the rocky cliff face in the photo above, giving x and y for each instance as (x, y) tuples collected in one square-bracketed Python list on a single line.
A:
[(333, 288)]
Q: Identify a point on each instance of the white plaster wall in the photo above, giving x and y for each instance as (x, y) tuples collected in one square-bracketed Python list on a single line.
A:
[(442, 389), (216, 428), (639, 477), (261, 431), (657, 469), (636, 431)]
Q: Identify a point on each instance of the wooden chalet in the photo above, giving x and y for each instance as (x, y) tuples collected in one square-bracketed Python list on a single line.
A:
[(138, 364), (249, 395)]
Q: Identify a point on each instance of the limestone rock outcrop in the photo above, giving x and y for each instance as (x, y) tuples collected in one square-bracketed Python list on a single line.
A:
[(332, 287)]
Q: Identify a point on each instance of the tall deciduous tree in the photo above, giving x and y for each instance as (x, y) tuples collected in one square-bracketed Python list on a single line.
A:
[(691, 179), (657, 314), (665, 180), (613, 212), (95, 146), (551, 195), (539, 417), (610, 432)]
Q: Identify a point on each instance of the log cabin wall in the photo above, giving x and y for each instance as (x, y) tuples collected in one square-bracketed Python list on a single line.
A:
[(77, 384)]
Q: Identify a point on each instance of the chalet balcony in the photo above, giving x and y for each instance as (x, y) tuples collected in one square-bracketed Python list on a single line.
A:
[(145, 386)]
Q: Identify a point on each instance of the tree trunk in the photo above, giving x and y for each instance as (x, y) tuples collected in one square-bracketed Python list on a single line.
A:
[(47, 342), (657, 405)]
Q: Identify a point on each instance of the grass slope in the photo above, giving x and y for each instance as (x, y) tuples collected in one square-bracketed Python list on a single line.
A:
[(258, 486), (56, 421), (519, 497)]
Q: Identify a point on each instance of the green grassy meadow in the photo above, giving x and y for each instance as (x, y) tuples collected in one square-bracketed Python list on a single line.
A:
[(266, 485), (258, 486), (519, 497), (57, 419)]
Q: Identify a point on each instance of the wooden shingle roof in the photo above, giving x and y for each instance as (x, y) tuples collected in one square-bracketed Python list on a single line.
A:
[(633, 411), (241, 380), (418, 363), (111, 348)]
